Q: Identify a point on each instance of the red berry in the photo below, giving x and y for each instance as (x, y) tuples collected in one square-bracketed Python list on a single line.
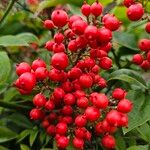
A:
[(67, 86), (57, 48), (124, 120), (148, 56), (58, 38), (86, 10), (118, 93), (67, 110), (72, 46), (38, 63), (108, 141), (61, 128), (81, 42), (86, 81), (62, 142), (67, 119), (82, 102), (59, 93), (32, 2), (50, 105), (144, 45), (79, 94), (99, 100), (105, 63), (48, 24), (113, 117), (69, 99), (72, 19), (80, 121), (137, 59), (147, 27), (124, 106), (96, 9), (49, 45), (74, 73), (59, 18), (90, 32), (106, 47), (92, 113), (102, 83), (95, 69), (145, 65), (78, 143), (39, 100), (104, 35), (22, 68), (60, 61), (128, 3), (41, 73), (45, 123), (135, 12), (79, 26), (98, 128), (51, 130), (80, 132), (36, 114)]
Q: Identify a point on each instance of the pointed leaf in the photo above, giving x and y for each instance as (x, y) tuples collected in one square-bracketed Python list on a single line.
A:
[(33, 136)]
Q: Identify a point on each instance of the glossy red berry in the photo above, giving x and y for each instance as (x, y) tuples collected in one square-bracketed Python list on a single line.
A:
[(45, 123), (69, 99), (86, 10), (67, 86), (82, 102), (48, 24), (39, 100), (145, 65), (72, 46), (92, 113), (86, 81), (105, 63), (67, 110), (125, 106), (135, 12), (50, 105), (59, 18), (61, 128), (72, 19), (41, 73), (124, 120), (22, 68), (38, 63), (59, 93), (147, 27), (118, 93), (80, 121), (49, 45), (148, 56), (78, 143), (144, 45), (128, 3), (58, 38), (57, 48), (51, 130), (74, 73), (96, 9), (108, 141), (80, 132), (36, 114), (79, 94), (137, 59), (62, 142), (60, 61)]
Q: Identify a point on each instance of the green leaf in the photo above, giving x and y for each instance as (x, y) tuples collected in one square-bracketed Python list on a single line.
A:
[(144, 130), (121, 145), (20, 120), (140, 113), (145, 147), (5, 67), (23, 135), (129, 76), (24, 147), (3, 148), (125, 39), (11, 40), (10, 93), (28, 37), (33, 136), (6, 134)]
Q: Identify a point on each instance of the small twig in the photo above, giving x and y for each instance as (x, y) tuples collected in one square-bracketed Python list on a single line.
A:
[(10, 6)]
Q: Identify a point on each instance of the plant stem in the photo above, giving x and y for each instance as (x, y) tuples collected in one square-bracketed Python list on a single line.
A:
[(12, 2), (10, 105)]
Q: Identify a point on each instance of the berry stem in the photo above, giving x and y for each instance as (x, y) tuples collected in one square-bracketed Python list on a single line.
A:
[(10, 6)]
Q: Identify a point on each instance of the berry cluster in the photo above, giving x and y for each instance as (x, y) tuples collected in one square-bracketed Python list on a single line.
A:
[(135, 12), (73, 111)]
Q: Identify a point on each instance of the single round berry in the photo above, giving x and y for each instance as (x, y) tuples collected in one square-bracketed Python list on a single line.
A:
[(57, 48), (86, 81), (58, 38), (72, 46), (137, 59), (78, 143), (39, 100), (145, 65), (92, 113), (128, 3), (148, 56), (62, 142), (86, 10), (60, 61), (61, 128), (36, 114), (80, 121), (105, 63), (96, 9), (135, 12), (49, 45), (147, 27), (118, 93), (59, 93), (48, 24), (124, 120), (80, 132), (59, 18), (108, 141), (49, 105), (22, 68), (51, 130), (41, 73), (38, 63), (45, 123), (125, 106), (72, 19), (82, 102), (69, 99), (74, 73), (144, 45), (67, 110)]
